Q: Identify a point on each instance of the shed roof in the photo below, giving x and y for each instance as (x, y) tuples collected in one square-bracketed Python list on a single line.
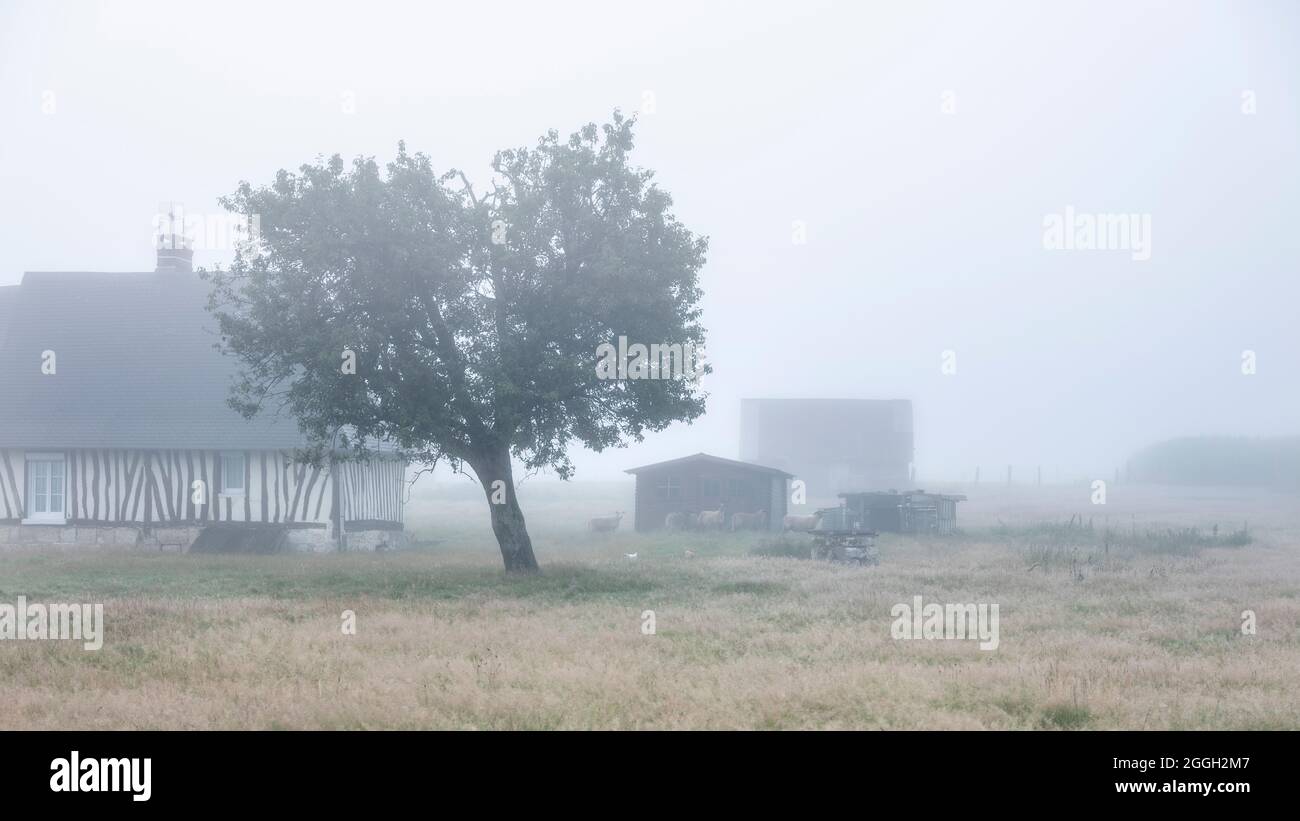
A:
[(136, 367), (708, 459), (882, 494)]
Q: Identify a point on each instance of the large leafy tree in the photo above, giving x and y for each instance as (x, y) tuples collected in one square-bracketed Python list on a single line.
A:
[(474, 316)]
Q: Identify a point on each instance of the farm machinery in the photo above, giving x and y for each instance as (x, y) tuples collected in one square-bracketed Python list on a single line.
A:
[(841, 537)]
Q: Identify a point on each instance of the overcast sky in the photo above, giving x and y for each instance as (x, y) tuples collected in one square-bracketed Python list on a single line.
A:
[(918, 147)]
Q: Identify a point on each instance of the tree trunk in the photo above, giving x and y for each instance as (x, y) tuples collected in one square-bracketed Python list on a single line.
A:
[(507, 517)]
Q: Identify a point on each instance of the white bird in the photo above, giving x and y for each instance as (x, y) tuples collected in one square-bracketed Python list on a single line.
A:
[(631, 555)]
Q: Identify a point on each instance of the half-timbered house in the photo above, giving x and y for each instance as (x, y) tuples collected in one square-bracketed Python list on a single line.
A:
[(115, 429)]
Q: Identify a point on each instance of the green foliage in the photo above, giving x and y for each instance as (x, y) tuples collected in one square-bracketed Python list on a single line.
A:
[(474, 317), (753, 588), (1063, 542), (1065, 717), (1220, 460)]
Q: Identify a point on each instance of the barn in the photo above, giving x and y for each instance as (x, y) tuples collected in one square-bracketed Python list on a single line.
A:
[(833, 445), (115, 429), (703, 482)]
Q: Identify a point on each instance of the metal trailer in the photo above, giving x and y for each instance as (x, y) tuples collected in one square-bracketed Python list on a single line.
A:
[(841, 537), (911, 511)]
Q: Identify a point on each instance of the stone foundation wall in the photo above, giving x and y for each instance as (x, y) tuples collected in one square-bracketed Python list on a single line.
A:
[(371, 541), (83, 537), (314, 540), (179, 539)]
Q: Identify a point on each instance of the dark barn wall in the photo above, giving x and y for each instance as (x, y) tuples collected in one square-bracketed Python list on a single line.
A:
[(779, 498), (833, 445)]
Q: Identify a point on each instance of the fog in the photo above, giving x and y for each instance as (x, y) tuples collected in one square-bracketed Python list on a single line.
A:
[(874, 179)]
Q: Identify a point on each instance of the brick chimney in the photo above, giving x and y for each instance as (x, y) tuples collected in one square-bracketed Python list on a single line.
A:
[(175, 256)]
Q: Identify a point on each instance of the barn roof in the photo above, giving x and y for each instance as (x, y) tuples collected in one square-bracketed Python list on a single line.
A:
[(706, 458), (135, 367), (8, 295)]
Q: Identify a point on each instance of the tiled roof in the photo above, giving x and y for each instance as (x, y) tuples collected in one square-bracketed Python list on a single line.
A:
[(135, 367)]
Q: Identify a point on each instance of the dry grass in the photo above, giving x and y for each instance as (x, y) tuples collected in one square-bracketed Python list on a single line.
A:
[(1133, 638)]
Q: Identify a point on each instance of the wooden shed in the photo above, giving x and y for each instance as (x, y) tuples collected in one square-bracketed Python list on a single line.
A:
[(703, 482)]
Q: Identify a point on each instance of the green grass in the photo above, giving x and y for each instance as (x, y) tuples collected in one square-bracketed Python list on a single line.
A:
[(787, 545), (752, 588), (1080, 545), (750, 633), (391, 577), (1065, 717)]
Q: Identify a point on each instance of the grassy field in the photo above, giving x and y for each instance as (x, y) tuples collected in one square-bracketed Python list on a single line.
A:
[(1131, 619)]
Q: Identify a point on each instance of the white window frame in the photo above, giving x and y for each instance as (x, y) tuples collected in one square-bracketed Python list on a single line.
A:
[(671, 489), (29, 479), (226, 489)]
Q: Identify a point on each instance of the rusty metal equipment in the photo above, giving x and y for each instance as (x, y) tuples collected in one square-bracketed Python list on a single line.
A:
[(841, 536)]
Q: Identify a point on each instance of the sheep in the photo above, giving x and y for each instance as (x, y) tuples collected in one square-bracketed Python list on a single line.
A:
[(678, 520), (712, 519), (802, 523), (743, 521), (605, 524)]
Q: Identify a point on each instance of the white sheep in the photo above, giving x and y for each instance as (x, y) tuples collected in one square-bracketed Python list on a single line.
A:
[(605, 524), (678, 520), (802, 524), (712, 519), (743, 521)]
